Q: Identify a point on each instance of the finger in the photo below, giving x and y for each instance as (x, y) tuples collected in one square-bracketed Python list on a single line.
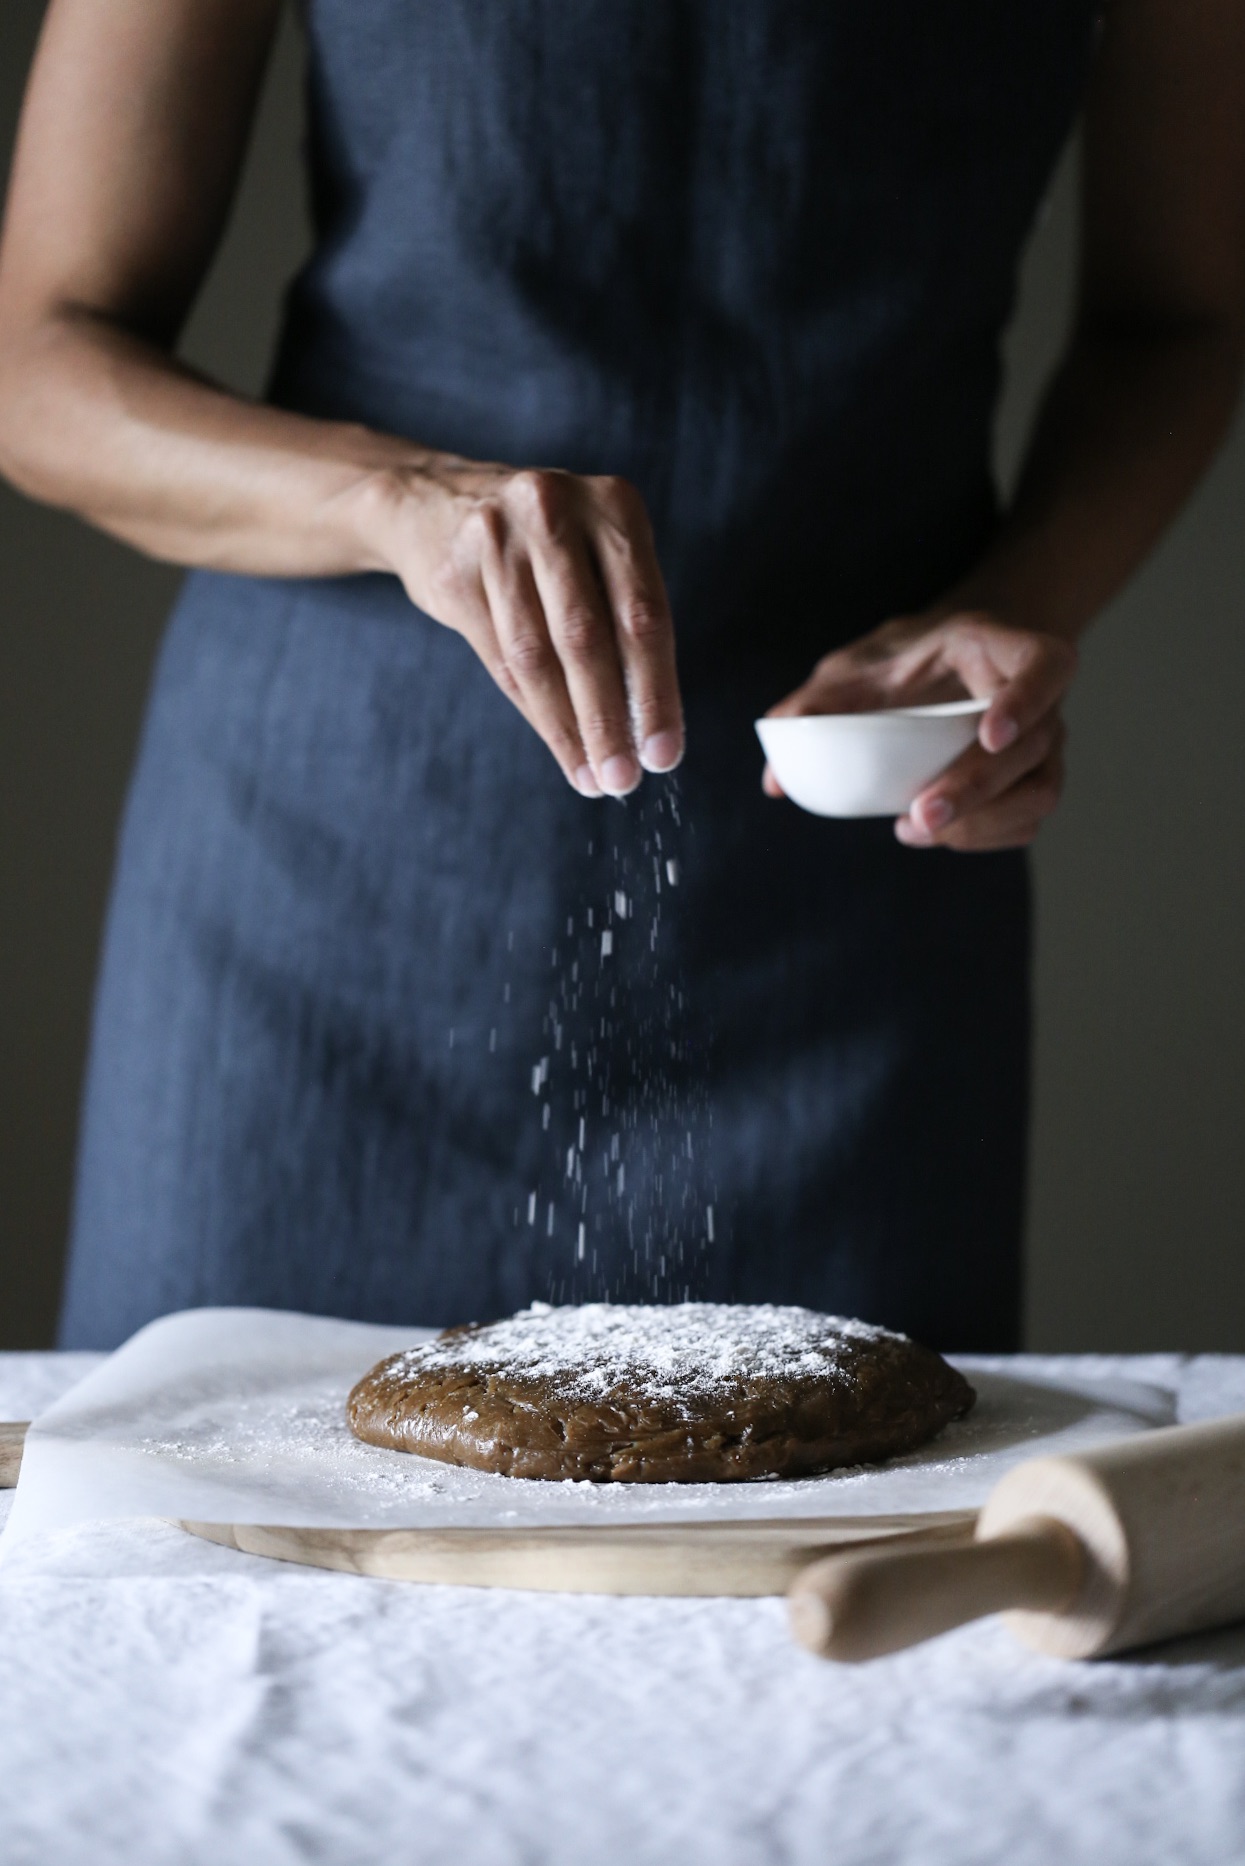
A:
[(841, 683), (581, 632), (978, 776), (475, 624), (1038, 687), (1008, 822), (1013, 820), (770, 784), (1022, 674), (528, 664), (636, 592), (465, 606)]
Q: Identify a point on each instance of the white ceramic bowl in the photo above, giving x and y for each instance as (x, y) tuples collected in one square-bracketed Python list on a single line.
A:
[(867, 764)]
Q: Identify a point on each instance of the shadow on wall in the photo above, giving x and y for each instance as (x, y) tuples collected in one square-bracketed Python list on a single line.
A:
[(1138, 1196)]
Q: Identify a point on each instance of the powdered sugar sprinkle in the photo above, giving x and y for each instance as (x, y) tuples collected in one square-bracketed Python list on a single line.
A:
[(671, 1351)]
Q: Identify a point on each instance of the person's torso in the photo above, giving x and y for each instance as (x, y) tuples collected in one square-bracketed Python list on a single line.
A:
[(756, 256)]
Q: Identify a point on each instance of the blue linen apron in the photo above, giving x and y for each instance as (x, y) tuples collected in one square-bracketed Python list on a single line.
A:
[(393, 1025)]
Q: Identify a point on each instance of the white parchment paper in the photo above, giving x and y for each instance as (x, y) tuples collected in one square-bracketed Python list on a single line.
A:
[(237, 1415)]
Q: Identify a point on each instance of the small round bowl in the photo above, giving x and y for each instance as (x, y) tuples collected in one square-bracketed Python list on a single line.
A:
[(867, 764)]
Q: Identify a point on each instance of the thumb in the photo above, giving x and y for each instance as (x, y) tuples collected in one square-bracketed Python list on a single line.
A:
[(1022, 673)]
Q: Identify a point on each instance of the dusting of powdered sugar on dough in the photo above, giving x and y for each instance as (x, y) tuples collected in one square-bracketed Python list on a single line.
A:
[(672, 1351)]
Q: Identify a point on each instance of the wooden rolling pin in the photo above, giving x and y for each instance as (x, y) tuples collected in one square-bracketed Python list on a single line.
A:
[(1141, 1540)]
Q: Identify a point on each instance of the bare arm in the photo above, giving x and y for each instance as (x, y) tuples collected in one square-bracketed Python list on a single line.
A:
[(1141, 401), (1148, 387), (132, 138)]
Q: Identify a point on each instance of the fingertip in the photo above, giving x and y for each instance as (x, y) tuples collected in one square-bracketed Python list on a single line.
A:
[(619, 775), (930, 814), (662, 751), (909, 832), (998, 731), (999, 726), (584, 781)]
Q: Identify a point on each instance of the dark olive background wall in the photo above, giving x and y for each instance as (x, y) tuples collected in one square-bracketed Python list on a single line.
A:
[(80, 619), (1137, 1224)]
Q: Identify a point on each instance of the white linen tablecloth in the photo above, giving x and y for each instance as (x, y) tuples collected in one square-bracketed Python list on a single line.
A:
[(163, 1700)]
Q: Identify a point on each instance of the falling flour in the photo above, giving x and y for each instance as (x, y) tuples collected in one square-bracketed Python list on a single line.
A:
[(622, 1079)]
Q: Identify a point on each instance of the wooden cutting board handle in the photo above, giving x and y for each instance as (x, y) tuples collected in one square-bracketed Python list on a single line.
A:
[(12, 1438)]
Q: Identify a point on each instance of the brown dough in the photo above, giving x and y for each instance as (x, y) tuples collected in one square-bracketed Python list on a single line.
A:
[(692, 1393)]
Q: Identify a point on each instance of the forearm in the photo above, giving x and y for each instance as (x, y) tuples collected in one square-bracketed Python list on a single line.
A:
[(97, 421), (1127, 427)]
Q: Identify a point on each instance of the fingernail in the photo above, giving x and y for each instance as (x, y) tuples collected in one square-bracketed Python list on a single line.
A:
[(661, 751), (586, 783), (937, 814), (619, 775), (1005, 731), (910, 832)]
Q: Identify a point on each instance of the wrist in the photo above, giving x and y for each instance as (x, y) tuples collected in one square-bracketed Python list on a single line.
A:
[(370, 509), (381, 511), (1013, 585)]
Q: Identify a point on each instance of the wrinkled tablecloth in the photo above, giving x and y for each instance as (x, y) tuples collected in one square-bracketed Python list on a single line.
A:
[(164, 1700)]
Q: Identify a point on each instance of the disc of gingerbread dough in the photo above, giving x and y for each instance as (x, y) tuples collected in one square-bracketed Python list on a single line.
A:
[(687, 1393)]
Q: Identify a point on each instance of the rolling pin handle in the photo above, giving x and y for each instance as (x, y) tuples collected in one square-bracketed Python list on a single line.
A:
[(854, 1607)]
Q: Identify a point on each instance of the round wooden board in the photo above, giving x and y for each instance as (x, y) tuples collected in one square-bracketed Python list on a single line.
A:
[(740, 1558), (12, 1438)]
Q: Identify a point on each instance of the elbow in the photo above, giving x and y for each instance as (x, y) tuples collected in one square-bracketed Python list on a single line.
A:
[(15, 412), (1212, 332), (28, 418), (1236, 359), (1225, 368), (9, 372), (1199, 349), (1223, 336), (1220, 344)]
